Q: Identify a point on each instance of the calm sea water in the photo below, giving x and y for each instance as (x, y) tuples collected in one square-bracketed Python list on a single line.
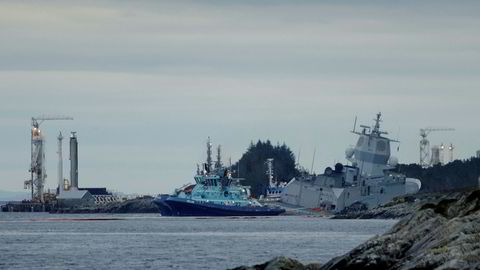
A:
[(44, 241)]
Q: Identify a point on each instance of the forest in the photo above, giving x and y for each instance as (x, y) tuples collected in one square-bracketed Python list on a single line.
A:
[(459, 174), (252, 165)]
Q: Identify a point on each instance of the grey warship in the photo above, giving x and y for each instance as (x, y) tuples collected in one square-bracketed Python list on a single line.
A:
[(370, 179)]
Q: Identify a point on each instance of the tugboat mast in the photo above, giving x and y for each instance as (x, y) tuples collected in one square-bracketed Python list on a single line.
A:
[(218, 163), (209, 155)]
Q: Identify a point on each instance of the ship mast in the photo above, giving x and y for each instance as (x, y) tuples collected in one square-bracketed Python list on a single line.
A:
[(270, 172), (209, 155), (218, 163), (376, 128)]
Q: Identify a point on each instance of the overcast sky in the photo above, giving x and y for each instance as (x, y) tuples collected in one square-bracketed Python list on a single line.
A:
[(148, 81)]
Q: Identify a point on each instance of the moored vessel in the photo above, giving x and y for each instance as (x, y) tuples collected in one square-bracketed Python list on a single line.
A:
[(215, 193)]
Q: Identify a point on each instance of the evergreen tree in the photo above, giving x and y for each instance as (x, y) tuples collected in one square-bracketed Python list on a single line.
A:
[(252, 168)]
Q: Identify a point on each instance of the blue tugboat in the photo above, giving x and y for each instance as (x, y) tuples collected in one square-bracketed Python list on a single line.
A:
[(215, 193)]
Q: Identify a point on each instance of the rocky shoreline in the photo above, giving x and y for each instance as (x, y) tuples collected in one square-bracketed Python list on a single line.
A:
[(398, 208), (442, 232)]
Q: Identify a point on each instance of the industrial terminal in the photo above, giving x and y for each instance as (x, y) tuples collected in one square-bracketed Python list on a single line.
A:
[(68, 194)]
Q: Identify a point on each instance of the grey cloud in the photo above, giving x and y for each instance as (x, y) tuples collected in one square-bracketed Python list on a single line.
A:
[(147, 82)]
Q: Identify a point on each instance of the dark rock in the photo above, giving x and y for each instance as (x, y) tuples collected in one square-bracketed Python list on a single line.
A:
[(140, 205), (135, 206), (443, 233), (281, 263), (401, 207)]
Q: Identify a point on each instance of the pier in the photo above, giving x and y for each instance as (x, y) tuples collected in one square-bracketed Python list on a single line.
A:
[(27, 206)]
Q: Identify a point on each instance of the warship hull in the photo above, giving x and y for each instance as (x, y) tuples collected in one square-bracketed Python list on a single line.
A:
[(174, 206), (312, 195)]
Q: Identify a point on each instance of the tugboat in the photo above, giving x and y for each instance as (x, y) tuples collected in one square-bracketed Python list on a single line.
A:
[(215, 193)]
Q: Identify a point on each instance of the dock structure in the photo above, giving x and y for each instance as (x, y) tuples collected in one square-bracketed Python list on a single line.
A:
[(27, 206)]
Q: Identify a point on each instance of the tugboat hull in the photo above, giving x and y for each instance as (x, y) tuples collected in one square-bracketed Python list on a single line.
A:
[(174, 206)]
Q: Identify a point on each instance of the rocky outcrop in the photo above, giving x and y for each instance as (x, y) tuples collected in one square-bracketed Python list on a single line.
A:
[(443, 235), (140, 205), (134, 206), (398, 208), (281, 263)]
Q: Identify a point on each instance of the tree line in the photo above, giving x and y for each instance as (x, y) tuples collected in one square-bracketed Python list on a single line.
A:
[(459, 174), (252, 166)]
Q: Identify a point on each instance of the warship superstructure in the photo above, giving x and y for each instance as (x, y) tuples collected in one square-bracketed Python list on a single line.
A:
[(370, 179), (215, 193)]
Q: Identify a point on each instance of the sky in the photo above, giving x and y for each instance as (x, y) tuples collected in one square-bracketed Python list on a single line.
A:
[(148, 81)]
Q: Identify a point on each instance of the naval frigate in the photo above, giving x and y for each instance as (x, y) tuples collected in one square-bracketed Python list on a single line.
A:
[(370, 179)]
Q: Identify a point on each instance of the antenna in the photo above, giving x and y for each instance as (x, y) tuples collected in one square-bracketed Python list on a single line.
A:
[(354, 124), (209, 154), (313, 160), (238, 169), (398, 139), (298, 157), (218, 163)]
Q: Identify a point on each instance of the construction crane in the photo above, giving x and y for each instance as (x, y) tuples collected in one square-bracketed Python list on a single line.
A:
[(37, 165), (425, 159)]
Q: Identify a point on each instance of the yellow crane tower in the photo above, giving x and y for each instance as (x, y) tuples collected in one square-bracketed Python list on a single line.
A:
[(37, 165)]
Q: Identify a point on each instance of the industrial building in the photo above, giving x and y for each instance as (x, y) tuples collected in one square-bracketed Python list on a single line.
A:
[(435, 159), (101, 196), (70, 195), (75, 199), (436, 154)]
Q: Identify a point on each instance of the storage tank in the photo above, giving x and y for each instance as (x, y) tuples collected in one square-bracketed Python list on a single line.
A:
[(436, 155)]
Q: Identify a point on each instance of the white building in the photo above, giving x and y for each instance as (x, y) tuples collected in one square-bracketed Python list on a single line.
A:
[(75, 199)]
